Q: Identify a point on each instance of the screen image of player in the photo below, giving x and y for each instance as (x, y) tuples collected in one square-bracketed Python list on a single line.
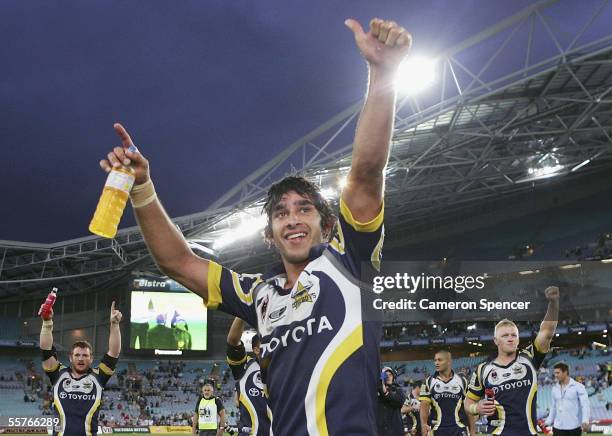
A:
[(165, 320)]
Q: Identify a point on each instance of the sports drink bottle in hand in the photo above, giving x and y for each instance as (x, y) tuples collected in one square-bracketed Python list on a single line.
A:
[(113, 200), (489, 394), (47, 306)]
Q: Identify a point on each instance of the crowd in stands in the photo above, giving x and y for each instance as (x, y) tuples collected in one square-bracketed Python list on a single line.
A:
[(164, 393)]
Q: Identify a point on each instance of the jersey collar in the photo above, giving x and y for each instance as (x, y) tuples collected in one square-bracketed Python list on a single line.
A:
[(278, 270), (437, 375)]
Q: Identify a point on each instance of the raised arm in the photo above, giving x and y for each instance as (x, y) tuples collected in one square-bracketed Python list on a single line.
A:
[(165, 242), (384, 46), (46, 343), (235, 332), (114, 338), (549, 324)]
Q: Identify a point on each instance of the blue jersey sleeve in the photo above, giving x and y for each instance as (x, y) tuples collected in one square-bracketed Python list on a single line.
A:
[(358, 244), (475, 390), (54, 373), (232, 292), (535, 355)]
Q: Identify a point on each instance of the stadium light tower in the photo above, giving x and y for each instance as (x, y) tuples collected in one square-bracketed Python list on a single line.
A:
[(415, 74)]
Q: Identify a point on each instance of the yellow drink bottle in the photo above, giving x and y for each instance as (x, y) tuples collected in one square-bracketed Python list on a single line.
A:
[(112, 202)]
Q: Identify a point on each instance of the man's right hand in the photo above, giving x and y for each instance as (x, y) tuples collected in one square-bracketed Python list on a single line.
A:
[(45, 318), (425, 430), (122, 156), (486, 407)]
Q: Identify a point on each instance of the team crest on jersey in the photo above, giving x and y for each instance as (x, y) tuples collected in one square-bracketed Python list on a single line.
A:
[(306, 291), (442, 387), (518, 372), (84, 386)]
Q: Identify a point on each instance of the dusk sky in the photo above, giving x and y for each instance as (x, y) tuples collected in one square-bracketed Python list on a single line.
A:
[(209, 90)]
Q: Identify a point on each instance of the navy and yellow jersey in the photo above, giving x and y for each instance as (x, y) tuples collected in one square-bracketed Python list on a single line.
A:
[(253, 407), (515, 386), (319, 340), (77, 399), (207, 411), (411, 419), (446, 401)]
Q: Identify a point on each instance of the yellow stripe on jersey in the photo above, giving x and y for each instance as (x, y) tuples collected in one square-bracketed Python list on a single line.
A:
[(457, 410), (269, 412), (529, 405), (244, 297), (501, 417), (337, 243), (214, 285), (352, 343), (424, 398), (236, 362), (473, 396), (52, 369), (105, 369), (249, 408), (370, 226), (62, 415), (89, 416), (438, 420), (375, 258)]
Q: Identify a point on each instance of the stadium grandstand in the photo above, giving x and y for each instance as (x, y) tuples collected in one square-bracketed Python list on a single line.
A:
[(504, 173)]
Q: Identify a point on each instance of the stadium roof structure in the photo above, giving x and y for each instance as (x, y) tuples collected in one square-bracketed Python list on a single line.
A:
[(526, 102)]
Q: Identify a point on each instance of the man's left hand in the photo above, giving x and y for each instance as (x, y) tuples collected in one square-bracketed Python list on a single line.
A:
[(385, 45), (115, 315)]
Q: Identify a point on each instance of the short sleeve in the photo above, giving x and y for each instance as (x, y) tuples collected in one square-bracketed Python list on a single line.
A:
[(425, 394), (536, 356), (220, 405), (475, 389), (355, 243), (236, 359), (106, 369), (54, 373), (231, 292)]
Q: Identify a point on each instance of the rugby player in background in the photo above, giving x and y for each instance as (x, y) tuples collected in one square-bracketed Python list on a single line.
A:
[(411, 411), (252, 405), (319, 357), (504, 388), (444, 392), (77, 390)]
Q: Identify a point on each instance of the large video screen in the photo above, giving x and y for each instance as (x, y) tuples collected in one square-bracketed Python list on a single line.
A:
[(166, 318)]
